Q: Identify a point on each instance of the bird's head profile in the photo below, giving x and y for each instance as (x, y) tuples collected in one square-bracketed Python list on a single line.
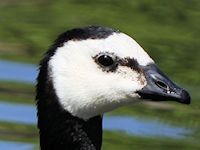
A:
[(96, 69)]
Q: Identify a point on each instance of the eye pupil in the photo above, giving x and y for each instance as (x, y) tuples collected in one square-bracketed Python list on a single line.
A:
[(105, 60)]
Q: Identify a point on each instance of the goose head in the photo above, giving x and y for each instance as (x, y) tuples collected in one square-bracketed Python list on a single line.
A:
[(95, 69)]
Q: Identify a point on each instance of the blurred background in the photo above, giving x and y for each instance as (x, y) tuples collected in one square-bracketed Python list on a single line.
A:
[(168, 30)]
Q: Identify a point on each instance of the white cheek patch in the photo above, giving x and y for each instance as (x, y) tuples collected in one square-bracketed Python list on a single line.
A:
[(83, 88), (134, 76)]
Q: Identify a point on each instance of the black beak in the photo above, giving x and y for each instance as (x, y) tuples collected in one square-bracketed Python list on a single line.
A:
[(160, 88)]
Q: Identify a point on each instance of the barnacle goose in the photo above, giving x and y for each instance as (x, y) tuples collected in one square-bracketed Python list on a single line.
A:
[(87, 72)]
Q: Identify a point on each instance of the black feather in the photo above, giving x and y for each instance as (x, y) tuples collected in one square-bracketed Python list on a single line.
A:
[(58, 128)]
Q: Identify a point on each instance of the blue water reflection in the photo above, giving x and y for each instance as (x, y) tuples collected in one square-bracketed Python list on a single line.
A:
[(139, 127), (18, 113), (26, 114), (17, 72), (5, 145)]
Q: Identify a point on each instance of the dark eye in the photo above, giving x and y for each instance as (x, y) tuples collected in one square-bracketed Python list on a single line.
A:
[(105, 60)]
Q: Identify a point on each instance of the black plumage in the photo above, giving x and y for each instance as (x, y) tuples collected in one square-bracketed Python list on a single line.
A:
[(59, 130)]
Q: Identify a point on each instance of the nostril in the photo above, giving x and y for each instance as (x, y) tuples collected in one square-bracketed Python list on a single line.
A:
[(161, 84)]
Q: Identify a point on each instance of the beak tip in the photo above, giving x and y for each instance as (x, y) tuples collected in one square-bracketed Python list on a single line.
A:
[(160, 88), (185, 97)]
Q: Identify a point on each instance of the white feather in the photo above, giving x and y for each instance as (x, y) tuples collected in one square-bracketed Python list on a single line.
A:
[(83, 88)]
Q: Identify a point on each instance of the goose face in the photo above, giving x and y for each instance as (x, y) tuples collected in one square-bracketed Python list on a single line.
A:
[(93, 76)]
